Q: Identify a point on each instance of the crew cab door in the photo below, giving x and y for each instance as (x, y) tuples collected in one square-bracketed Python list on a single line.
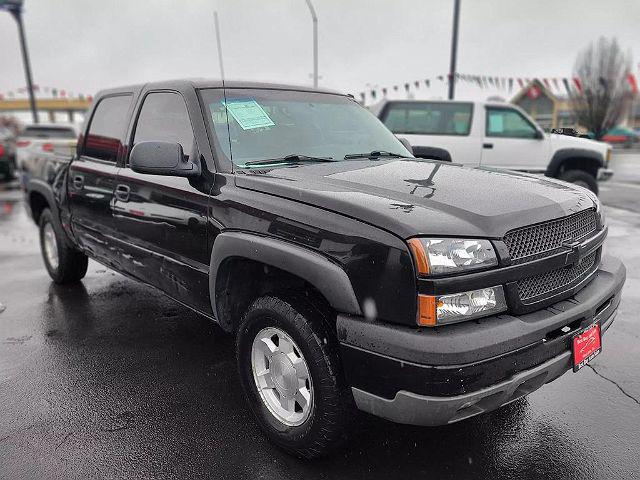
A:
[(513, 141), (445, 125), (162, 220), (92, 176)]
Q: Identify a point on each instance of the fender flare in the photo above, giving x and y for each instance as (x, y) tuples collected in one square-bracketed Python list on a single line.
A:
[(327, 277), (566, 153), (433, 153), (35, 185)]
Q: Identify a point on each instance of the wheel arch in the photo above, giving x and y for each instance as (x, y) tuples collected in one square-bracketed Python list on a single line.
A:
[(250, 257), (40, 196), (575, 158)]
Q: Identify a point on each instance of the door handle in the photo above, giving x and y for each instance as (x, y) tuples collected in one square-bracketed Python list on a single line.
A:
[(122, 193), (78, 182), (487, 145)]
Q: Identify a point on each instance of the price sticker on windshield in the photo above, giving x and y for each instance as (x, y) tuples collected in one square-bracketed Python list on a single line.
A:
[(249, 114)]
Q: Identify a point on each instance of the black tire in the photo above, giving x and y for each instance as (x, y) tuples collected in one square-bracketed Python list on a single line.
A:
[(582, 178), (332, 407), (72, 264)]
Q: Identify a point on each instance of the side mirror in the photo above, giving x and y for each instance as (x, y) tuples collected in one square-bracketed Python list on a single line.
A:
[(406, 144), (539, 135), (162, 158)]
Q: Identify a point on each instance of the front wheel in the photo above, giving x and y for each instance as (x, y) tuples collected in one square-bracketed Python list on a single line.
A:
[(291, 375), (64, 264), (580, 178)]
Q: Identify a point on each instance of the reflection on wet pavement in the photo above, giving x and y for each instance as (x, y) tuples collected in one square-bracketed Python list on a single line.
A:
[(108, 378)]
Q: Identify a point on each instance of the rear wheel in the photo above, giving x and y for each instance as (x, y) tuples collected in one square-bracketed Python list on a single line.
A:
[(291, 375), (580, 178), (64, 264)]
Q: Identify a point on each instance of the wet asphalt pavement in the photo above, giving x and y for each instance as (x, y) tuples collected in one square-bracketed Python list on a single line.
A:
[(110, 379)]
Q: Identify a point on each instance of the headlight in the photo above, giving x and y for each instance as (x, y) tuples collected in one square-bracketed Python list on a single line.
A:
[(459, 307), (437, 256)]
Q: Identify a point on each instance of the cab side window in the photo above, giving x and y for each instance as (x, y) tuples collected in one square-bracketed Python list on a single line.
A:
[(164, 118), (107, 128), (507, 123), (429, 118)]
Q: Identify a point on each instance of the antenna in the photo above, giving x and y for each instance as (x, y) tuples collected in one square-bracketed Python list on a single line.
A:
[(224, 88), (217, 25)]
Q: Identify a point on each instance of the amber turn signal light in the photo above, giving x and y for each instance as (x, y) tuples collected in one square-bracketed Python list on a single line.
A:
[(427, 314), (419, 255)]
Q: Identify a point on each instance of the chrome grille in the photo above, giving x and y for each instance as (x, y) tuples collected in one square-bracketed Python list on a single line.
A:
[(546, 283), (536, 240)]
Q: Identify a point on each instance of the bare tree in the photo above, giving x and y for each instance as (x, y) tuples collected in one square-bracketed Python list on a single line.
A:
[(602, 70)]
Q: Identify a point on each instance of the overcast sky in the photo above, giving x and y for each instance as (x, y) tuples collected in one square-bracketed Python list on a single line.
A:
[(85, 45)]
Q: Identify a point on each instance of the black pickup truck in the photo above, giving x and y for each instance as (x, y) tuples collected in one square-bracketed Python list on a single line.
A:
[(351, 273)]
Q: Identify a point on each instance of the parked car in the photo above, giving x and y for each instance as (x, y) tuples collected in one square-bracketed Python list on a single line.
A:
[(494, 135), (352, 274), (43, 139), (7, 154), (622, 136)]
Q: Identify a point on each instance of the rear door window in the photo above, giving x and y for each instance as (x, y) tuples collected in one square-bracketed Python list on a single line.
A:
[(107, 128), (429, 118), (164, 118)]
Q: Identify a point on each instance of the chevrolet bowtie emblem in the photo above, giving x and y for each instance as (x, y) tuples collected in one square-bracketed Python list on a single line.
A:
[(573, 255)]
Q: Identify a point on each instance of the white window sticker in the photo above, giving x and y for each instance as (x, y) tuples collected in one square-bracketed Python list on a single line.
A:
[(496, 124), (249, 114)]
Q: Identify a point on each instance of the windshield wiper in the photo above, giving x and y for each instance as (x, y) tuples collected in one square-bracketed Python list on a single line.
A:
[(373, 155), (293, 158)]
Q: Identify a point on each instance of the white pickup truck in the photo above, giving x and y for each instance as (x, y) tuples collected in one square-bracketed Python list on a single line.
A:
[(494, 135)]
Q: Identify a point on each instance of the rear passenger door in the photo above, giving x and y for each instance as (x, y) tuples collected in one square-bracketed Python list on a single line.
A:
[(92, 175), (162, 220)]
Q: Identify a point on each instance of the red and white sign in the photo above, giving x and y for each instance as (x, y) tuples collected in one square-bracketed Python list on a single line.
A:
[(534, 92), (587, 345)]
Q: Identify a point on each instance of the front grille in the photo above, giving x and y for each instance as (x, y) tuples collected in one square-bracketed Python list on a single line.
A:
[(536, 240), (549, 282)]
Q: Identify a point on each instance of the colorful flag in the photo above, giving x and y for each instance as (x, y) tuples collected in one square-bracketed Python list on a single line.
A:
[(578, 84), (633, 83)]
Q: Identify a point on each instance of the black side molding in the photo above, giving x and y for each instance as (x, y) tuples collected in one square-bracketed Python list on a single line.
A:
[(330, 280)]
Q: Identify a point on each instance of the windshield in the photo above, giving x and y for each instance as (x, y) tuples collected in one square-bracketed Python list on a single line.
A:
[(272, 124)]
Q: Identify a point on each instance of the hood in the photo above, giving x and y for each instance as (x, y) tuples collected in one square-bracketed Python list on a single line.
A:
[(567, 141), (411, 197)]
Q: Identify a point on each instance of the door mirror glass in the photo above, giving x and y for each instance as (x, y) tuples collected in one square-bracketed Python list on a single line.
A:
[(162, 158)]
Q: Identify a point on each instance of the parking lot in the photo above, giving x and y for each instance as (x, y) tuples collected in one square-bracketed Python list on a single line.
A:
[(109, 378)]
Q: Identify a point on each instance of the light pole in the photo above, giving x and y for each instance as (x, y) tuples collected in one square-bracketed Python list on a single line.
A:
[(314, 17), (14, 7), (454, 49)]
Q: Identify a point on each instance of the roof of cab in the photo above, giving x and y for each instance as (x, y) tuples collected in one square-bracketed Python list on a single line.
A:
[(200, 83)]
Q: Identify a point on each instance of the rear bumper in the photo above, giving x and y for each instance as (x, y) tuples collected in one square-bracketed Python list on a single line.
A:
[(443, 375)]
